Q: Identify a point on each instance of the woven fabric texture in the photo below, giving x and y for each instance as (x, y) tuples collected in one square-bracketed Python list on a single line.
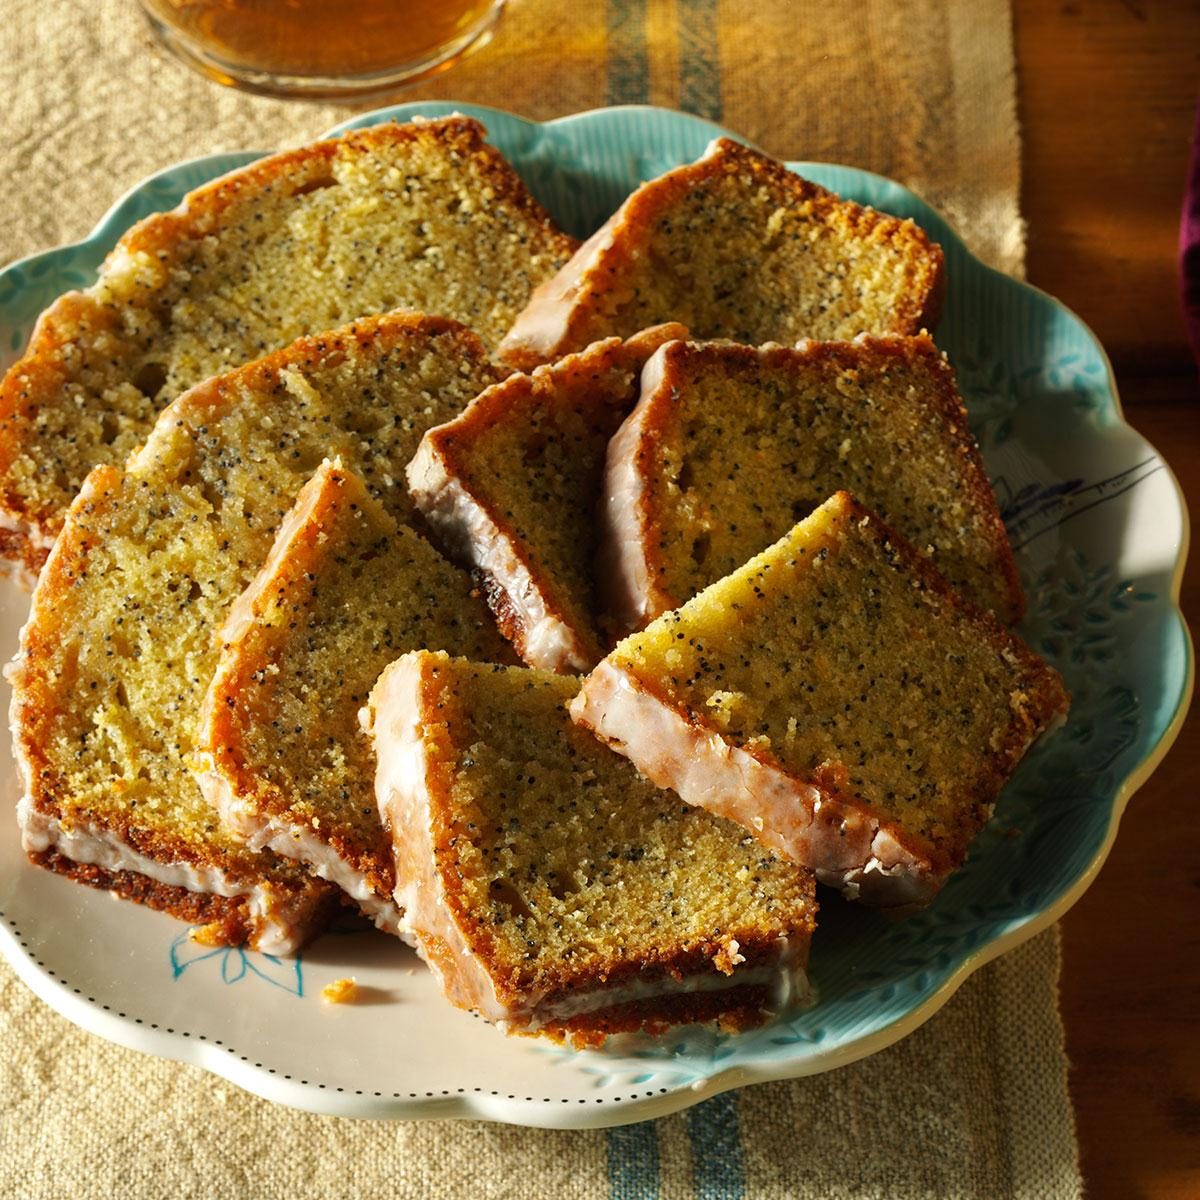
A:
[(918, 90)]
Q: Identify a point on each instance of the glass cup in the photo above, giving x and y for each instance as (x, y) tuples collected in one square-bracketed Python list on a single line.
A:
[(322, 49)]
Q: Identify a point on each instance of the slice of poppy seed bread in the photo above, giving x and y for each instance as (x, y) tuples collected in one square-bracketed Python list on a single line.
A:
[(512, 487), (735, 246), (836, 698), (550, 887), (121, 641), (729, 446), (424, 216), (280, 754)]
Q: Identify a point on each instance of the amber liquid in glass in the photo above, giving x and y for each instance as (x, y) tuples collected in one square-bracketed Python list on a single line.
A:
[(322, 38)]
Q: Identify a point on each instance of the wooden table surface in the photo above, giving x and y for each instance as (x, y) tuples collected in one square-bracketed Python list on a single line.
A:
[(1107, 93)]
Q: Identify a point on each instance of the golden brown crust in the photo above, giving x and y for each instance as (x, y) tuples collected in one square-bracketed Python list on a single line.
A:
[(200, 212), (40, 372), (1048, 700), (555, 321), (508, 620), (575, 381), (35, 712), (226, 721), (944, 402), (46, 667), (227, 918), (733, 1010), (20, 559), (670, 962)]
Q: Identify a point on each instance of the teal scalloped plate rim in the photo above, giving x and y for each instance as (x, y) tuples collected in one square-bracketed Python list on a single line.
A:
[(1100, 530)]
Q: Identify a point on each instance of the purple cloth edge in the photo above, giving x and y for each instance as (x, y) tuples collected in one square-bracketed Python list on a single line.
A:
[(1189, 245)]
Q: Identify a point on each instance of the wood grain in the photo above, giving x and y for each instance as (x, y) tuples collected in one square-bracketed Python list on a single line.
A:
[(1131, 946), (1107, 92)]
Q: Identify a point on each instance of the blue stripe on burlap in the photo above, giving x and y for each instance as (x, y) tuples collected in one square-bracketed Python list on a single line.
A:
[(628, 53), (633, 1162), (699, 59), (715, 1133)]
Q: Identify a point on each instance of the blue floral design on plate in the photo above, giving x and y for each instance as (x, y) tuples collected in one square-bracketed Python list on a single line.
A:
[(233, 963)]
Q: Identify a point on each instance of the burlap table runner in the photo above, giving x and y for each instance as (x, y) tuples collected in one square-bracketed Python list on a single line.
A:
[(974, 1104)]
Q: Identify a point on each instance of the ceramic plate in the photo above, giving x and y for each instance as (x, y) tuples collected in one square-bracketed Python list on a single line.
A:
[(1100, 532)]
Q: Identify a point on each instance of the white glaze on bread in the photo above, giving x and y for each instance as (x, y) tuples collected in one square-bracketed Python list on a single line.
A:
[(532, 536), (394, 720), (404, 793), (630, 596), (278, 927), (291, 839), (539, 331), (846, 847), (471, 537)]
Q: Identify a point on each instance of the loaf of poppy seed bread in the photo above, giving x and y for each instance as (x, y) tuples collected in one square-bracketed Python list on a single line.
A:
[(735, 246), (424, 216), (729, 446), (836, 698), (512, 488), (280, 754), (550, 887), (121, 641)]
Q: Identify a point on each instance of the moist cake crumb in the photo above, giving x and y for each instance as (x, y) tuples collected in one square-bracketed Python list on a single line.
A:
[(513, 485), (835, 697), (280, 753), (551, 887), (425, 216), (729, 446), (340, 991), (735, 246), (119, 648)]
